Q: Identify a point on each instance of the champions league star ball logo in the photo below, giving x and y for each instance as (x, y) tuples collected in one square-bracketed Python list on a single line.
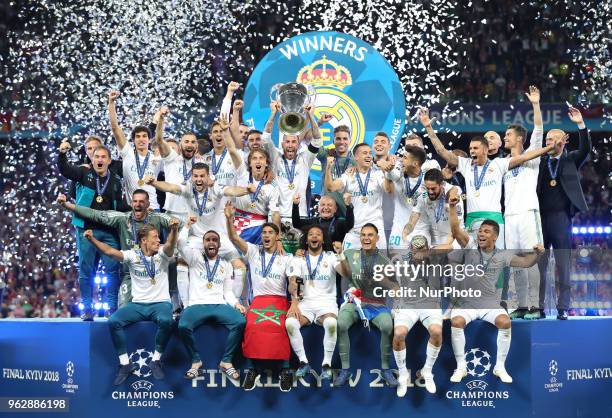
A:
[(142, 358), (553, 367), (478, 362), (70, 369)]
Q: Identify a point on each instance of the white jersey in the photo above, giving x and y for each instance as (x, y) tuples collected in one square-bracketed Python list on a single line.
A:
[(407, 192), (177, 171), (267, 199), (435, 214), (520, 182), (144, 289), (488, 197), (223, 170), (205, 290), (212, 217), (322, 285), (429, 164), (275, 281), (130, 173), (369, 211), (301, 170)]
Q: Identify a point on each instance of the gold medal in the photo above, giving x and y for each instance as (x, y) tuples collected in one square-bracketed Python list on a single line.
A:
[(135, 246), (476, 193), (209, 285), (140, 182), (99, 199), (409, 201), (553, 183), (291, 186), (463, 196), (252, 205), (364, 199), (153, 282)]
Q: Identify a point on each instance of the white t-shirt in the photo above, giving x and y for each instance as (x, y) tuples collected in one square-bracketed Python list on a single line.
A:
[(174, 168), (440, 228), (489, 198), (199, 292), (212, 216), (521, 182), (402, 206), (275, 282), (321, 287), (303, 161), (130, 173), (227, 174), (370, 211), (429, 164), (143, 290), (267, 198)]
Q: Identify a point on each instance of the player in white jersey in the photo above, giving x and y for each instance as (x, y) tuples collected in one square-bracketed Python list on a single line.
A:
[(265, 336), (483, 177), (224, 159), (137, 162), (312, 284), (211, 300), (291, 166), (366, 187), (488, 263), (254, 209), (432, 209), (148, 266), (522, 209), (408, 188), (416, 141)]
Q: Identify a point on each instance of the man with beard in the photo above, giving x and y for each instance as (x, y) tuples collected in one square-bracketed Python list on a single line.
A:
[(253, 210), (96, 188), (416, 141), (335, 228), (148, 266), (126, 225), (291, 167), (211, 300), (312, 284), (358, 267), (408, 189), (206, 207), (366, 187), (343, 159), (432, 209), (265, 337), (224, 170), (482, 252), (139, 161)]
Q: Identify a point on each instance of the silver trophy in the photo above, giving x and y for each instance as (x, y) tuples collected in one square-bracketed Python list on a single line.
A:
[(293, 98)]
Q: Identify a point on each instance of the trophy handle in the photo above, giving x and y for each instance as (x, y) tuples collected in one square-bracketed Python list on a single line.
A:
[(312, 94), (274, 92)]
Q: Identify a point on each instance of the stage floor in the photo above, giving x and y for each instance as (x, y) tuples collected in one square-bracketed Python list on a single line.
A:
[(559, 369)]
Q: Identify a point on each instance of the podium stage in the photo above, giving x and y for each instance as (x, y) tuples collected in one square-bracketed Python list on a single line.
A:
[(560, 369)]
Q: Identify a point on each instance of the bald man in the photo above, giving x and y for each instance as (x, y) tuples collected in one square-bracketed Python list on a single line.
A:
[(495, 144), (560, 196)]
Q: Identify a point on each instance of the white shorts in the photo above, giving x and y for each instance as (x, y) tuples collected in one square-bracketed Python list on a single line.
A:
[(408, 317), (470, 315), (500, 243), (352, 241), (313, 309), (227, 251), (396, 242), (524, 230)]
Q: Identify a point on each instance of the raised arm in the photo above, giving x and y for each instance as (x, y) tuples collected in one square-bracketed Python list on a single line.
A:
[(460, 234), (164, 148), (316, 141), (231, 231), (230, 142), (102, 247), (538, 127), (274, 109), (118, 133), (235, 123), (332, 185), (226, 105), (170, 244), (237, 191), (529, 259), (440, 149), (187, 253), (70, 171), (584, 145), (530, 155), (162, 185)]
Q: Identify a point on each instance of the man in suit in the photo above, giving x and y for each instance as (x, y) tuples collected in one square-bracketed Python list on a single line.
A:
[(560, 196)]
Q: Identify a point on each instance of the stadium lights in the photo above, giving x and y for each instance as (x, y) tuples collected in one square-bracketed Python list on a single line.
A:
[(105, 306), (81, 306), (592, 230), (97, 280), (97, 306)]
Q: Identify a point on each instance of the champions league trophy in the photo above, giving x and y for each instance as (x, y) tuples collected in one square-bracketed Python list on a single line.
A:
[(293, 97)]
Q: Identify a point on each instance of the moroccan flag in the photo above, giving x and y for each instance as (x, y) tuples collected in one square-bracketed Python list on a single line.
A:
[(265, 336)]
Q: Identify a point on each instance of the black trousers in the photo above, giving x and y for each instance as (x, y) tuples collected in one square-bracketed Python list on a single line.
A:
[(557, 231)]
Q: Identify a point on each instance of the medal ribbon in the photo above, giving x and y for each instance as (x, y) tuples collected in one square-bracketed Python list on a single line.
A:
[(150, 268), (256, 193), (201, 206), (312, 273), (210, 275), (553, 173), (99, 189), (266, 269), (367, 270), (440, 207), (133, 227), (363, 189), (344, 166), (141, 168), (215, 167), (482, 259), (479, 178), (289, 172), (411, 191), (187, 174)]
